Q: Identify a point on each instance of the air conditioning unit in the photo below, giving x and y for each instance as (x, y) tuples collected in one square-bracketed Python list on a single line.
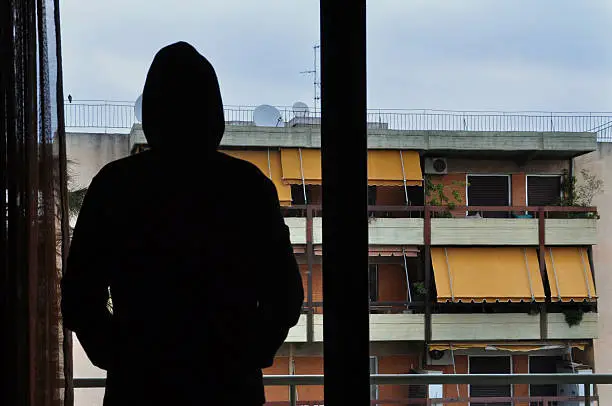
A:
[(439, 358), (436, 166)]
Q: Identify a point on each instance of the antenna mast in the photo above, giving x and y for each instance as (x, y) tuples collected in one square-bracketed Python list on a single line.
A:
[(316, 84)]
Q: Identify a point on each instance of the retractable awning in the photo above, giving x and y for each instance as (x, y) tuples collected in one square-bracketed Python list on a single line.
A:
[(492, 274), (394, 168), (373, 250), (501, 346), (269, 162), (301, 166), (385, 167), (569, 274)]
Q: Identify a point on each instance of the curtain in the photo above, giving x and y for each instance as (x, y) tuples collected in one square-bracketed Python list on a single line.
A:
[(36, 354)]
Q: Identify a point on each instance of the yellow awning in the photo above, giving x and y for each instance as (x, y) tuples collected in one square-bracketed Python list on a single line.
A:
[(385, 167), (569, 274), (392, 167), (301, 165), (512, 347), (505, 274), (269, 162)]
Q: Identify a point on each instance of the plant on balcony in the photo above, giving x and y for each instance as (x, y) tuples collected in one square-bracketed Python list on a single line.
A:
[(579, 193), (436, 195), (76, 194), (419, 291), (573, 317)]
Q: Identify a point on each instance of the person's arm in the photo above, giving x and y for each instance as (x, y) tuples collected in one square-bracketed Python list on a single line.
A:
[(281, 293), (85, 283)]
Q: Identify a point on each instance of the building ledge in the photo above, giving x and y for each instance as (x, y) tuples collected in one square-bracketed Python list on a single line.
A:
[(539, 145)]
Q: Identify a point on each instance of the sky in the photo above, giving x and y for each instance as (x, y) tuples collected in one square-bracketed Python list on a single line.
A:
[(511, 55)]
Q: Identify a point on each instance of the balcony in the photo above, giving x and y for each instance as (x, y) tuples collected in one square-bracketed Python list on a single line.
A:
[(463, 327), (582, 384), (398, 228), (501, 326), (385, 327), (299, 332), (400, 232)]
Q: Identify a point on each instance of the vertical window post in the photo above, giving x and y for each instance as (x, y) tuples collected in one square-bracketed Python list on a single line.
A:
[(345, 222)]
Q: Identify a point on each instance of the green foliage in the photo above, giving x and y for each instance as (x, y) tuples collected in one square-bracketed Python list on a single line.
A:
[(580, 192), (573, 317), (436, 195), (75, 200), (75, 194), (419, 289)]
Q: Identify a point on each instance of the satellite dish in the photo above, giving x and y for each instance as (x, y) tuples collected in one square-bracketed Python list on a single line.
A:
[(300, 109), (267, 116), (138, 108)]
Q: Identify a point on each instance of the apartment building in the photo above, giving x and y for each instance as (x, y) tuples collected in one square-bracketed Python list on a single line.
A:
[(475, 267), (477, 263)]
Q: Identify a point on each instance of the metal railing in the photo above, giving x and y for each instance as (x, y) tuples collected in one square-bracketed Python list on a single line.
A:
[(112, 115), (293, 381)]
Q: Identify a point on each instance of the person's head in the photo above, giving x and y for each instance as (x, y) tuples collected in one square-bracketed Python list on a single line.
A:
[(182, 109)]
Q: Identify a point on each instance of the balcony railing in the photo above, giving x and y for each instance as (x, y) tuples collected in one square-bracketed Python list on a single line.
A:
[(293, 381), (120, 115), (422, 314)]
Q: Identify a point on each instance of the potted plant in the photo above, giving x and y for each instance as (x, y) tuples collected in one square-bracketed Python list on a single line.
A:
[(577, 193), (436, 195)]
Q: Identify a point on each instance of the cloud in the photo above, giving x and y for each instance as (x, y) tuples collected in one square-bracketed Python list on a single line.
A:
[(469, 54)]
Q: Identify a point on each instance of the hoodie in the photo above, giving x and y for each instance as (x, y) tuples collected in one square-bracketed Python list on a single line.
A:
[(181, 102)]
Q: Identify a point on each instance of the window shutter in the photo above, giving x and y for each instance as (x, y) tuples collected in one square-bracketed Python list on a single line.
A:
[(488, 191), (543, 190), (490, 365)]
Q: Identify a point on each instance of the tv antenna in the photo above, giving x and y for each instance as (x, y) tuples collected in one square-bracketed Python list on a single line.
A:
[(316, 84)]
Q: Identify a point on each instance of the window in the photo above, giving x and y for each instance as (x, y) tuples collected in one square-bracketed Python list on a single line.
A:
[(485, 190), (543, 190), (490, 365), (416, 195), (373, 370), (297, 195), (373, 280), (371, 195), (543, 365)]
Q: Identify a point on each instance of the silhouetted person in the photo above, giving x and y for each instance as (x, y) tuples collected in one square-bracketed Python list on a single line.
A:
[(193, 247)]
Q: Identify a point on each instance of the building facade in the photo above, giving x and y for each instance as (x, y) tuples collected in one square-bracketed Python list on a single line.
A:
[(478, 261)]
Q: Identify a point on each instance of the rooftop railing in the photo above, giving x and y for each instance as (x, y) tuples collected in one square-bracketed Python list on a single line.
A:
[(119, 116), (293, 381)]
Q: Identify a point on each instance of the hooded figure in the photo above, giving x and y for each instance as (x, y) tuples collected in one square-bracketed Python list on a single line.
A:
[(191, 246)]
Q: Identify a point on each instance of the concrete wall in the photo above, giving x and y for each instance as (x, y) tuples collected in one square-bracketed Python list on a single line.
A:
[(89, 152), (501, 326), (559, 329), (600, 163), (463, 231), (549, 144)]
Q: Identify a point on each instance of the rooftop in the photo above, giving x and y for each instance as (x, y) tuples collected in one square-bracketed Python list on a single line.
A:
[(119, 117)]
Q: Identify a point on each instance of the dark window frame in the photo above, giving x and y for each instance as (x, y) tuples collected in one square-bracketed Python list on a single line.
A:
[(470, 371), (373, 280), (489, 175), (535, 175)]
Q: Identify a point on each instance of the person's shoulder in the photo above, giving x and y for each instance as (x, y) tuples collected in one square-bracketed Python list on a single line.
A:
[(242, 169), (124, 168)]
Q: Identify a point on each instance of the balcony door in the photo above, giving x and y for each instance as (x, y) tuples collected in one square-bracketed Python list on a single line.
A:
[(490, 365), (488, 190)]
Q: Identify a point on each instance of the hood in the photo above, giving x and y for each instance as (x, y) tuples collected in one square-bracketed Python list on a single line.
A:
[(182, 109)]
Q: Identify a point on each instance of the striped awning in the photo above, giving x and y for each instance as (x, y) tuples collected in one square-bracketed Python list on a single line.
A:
[(492, 274), (569, 274), (269, 162)]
